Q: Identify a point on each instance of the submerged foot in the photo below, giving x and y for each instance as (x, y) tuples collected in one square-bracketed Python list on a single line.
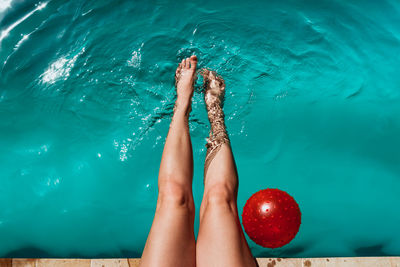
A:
[(184, 78), (214, 87)]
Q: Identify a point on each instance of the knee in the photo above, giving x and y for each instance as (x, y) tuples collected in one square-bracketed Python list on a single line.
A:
[(220, 195), (173, 194)]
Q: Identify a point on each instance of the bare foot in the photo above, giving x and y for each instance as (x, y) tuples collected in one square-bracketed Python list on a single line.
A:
[(214, 87), (214, 93), (184, 76)]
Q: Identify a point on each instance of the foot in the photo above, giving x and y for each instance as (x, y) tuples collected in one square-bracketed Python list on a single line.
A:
[(184, 78), (214, 87), (214, 93)]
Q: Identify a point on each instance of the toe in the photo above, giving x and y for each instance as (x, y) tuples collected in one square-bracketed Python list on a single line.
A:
[(193, 62), (211, 75), (187, 64), (183, 63), (178, 69)]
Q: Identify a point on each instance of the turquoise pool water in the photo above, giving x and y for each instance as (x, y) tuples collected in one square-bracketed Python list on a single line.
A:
[(86, 96)]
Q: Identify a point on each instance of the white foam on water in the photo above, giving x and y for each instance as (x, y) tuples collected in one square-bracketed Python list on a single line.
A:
[(135, 60), (61, 68)]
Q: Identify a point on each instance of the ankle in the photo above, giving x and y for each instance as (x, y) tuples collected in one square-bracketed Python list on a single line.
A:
[(182, 106)]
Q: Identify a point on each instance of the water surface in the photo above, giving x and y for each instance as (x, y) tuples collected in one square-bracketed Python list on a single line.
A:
[(86, 97)]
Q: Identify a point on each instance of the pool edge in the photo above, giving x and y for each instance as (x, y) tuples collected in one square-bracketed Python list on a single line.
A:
[(263, 262)]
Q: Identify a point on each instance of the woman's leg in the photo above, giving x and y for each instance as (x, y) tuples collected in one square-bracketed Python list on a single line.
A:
[(171, 240), (221, 241)]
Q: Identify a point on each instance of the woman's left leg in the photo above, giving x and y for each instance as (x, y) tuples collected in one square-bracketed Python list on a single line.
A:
[(171, 240)]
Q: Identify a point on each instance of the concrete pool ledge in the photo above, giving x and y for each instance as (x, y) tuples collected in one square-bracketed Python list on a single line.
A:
[(263, 262)]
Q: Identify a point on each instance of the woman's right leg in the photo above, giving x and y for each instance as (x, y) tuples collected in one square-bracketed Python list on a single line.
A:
[(171, 239), (220, 241)]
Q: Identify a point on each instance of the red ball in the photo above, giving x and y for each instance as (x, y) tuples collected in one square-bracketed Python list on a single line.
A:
[(271, 218)]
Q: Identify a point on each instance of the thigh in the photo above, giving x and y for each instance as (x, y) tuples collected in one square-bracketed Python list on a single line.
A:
[(221, 241), (171, 239)]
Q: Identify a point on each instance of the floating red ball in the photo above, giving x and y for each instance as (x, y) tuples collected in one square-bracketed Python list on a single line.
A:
[(271, 218)]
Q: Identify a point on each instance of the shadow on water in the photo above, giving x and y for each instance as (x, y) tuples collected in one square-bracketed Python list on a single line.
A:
[(28, 252), (376, 250), (33, 252), (130, 254), (290, 252)]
